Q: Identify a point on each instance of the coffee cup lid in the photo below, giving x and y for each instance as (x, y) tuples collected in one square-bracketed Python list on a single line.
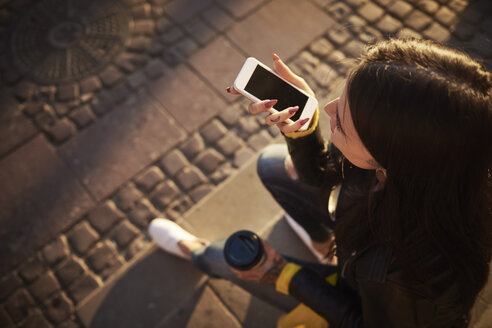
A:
[(243, 250)]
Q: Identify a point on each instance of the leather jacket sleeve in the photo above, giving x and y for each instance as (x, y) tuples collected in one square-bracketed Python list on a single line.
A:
[(315, 161), (374, 303), (339, 308)]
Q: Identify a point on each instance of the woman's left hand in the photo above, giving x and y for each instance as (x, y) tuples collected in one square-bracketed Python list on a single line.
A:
[(268, 271), (265, 105)]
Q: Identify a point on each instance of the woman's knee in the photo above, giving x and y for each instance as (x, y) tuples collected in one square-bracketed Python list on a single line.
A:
[(271, 163)]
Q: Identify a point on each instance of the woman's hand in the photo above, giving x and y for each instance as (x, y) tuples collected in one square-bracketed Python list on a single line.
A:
[(285, 72), (263, 106), (268, 271)]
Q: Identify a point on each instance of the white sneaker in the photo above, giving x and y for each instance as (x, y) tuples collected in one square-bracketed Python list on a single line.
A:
[(167, 234), (303, 235)]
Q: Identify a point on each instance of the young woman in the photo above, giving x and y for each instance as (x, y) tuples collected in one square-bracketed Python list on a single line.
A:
[(410, 148)]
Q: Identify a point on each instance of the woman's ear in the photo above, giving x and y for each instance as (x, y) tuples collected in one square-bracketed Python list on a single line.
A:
[(381, 175)]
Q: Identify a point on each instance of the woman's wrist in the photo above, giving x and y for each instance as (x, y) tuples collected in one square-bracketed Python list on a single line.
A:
[(271, 275)]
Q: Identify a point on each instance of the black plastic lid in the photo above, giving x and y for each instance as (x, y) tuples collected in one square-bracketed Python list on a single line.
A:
[(243, 250)]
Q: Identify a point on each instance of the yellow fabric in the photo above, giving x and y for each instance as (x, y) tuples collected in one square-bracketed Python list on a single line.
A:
[(312, 127), (301, 316), (283, 280), (332, 279)]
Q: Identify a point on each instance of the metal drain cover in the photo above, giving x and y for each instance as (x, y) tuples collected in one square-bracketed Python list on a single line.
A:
[(61, 40)]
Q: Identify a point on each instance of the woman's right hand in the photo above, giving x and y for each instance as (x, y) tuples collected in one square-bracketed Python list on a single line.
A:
[(280, 117), (268, 271)]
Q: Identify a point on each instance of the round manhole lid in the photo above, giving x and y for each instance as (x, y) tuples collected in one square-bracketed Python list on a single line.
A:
[(62, 40)]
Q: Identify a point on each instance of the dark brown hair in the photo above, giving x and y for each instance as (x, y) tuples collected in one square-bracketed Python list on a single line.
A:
[(423, 111)]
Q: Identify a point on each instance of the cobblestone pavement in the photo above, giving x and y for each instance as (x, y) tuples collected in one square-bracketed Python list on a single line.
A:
[(114, 112)]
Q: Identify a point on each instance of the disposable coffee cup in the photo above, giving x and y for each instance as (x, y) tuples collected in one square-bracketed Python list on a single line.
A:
[(243, 250)]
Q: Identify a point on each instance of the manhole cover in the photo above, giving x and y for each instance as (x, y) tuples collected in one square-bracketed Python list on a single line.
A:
[(60, 40)]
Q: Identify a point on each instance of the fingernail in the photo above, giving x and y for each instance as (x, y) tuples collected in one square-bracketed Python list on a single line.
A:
[(270, 103), (275, 57), (228, 89), (304, 121), (293, 110)]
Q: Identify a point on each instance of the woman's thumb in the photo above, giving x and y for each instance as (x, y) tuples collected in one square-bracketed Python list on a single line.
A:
[(283, 70), (286, 73)]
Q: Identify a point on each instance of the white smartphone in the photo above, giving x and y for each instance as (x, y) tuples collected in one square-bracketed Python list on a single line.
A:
[(258, 82)]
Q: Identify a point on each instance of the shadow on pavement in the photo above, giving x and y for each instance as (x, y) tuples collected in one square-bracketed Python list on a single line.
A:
[(160, 290), (152, 289), (53, 188)]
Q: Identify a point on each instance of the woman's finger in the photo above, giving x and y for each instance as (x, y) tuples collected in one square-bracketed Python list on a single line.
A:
[(285, 72), (261, 106), (280, 117), (287, 128)]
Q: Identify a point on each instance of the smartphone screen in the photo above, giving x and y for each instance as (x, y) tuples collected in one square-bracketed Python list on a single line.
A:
[(265, 85)]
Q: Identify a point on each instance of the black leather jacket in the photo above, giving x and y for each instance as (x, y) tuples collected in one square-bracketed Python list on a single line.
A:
[(371, 291)]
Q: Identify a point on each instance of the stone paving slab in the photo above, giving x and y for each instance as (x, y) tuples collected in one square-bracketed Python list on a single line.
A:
[(183, 10), (203, 311), (219, 62), (15, 128), (151, 289), (121, 144), (240, 8), (249, 310), (241, 203), (282, 26), (39, 198), (188, 98)]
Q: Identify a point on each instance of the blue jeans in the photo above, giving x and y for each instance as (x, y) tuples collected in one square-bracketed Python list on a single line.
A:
[(304, 203)]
